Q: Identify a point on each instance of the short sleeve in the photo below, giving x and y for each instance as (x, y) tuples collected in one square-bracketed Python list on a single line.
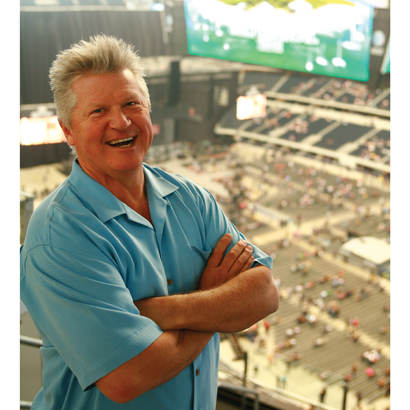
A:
[(217, 224), (85, 310)]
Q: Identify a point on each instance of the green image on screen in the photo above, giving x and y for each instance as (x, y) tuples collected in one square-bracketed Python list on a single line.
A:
[(328, 37)]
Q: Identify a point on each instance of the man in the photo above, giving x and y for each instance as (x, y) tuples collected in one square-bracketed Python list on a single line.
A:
[(127, 271)]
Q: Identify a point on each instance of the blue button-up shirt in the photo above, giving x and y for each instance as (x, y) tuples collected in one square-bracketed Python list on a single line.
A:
[(88, 256)]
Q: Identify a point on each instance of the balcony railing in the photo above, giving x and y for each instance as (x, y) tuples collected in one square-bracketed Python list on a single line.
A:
[(29, 341)]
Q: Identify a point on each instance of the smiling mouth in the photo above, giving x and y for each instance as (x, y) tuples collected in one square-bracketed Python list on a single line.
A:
[(122, 143)]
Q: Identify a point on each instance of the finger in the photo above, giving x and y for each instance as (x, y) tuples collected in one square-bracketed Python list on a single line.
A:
[(219, 250), (247, 264), (242, 260), (231, 257)]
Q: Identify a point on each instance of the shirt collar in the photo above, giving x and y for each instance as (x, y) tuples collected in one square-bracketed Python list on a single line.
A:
[(158, 185), (105, 204)]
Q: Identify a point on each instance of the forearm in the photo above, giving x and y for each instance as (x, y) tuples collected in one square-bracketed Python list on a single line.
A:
[(158, 363), (231, 307)]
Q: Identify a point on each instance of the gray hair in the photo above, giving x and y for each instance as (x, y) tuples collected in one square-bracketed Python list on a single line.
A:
[(101, 55)]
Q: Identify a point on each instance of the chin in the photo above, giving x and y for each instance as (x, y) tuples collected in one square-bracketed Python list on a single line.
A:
[(127, 166)]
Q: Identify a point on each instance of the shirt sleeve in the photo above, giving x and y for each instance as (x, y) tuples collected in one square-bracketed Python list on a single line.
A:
[(83, 307), (217, 224)]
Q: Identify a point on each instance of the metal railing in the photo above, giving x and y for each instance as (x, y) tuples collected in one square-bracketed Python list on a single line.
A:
[(276, 392), (242, 390), (29, 341)]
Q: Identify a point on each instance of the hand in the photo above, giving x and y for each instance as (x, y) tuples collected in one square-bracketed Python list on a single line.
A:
[(220, 269)]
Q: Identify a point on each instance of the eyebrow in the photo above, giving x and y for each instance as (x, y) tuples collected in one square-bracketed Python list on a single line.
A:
[(126, 99)]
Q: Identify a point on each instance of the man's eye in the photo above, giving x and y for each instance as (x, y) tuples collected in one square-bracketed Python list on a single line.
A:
[(98, 110), (131, 103)]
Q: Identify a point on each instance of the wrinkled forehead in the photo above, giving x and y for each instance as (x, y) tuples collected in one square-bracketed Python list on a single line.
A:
[(94, 87), (98, 80)]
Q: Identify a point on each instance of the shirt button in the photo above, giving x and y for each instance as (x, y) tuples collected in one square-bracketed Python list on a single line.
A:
[(197, 372), (169, 282)]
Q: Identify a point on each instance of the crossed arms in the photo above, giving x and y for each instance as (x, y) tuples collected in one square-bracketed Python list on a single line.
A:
[(230, 298)]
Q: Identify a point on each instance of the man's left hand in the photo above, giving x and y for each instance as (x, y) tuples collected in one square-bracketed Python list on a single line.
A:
[(220, 269)]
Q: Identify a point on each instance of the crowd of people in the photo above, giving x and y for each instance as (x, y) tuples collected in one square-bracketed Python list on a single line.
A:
[(376, 149), (333, 289)]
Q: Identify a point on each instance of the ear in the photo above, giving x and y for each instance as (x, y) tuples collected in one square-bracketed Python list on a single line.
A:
[(67, 133)]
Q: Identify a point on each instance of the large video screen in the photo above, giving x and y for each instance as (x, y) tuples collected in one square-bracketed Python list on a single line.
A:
[(328, 37)]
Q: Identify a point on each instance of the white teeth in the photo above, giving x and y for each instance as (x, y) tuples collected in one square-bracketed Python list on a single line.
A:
[(119, 141)]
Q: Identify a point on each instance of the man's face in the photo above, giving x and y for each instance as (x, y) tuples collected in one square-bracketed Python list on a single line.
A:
[(111, 128)]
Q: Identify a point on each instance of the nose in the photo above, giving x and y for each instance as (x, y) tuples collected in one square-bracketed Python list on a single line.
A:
[(118, 119)]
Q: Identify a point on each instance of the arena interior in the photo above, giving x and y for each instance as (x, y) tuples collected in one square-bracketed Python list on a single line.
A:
[(307, 179)]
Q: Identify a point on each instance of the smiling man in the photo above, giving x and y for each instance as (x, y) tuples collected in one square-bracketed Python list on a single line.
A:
[(111, 131), (129, 272)]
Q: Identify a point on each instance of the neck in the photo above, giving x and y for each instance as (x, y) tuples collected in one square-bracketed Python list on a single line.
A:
[(128, 188), (133, 194)]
